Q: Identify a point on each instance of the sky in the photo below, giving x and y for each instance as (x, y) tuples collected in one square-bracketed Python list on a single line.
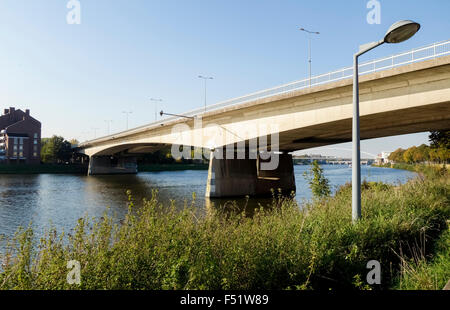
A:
[(75, 77)]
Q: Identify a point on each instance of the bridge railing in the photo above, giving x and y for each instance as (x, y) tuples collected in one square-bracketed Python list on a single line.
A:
[(415, 55), (419, 54)]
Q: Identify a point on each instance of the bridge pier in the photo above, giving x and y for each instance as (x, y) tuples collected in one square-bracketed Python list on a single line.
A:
[(99, 165), (242, 177)]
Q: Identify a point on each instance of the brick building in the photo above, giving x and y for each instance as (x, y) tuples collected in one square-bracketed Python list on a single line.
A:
[(20, 137)]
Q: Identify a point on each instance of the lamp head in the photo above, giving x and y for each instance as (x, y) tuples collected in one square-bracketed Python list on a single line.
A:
[(401, 31)]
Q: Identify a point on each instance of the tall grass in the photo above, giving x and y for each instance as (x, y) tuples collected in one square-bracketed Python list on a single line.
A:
[(420, 272), (283, 247)]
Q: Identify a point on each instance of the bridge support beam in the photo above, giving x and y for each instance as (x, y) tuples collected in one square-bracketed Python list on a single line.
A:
[(242, 177), (99, 165)]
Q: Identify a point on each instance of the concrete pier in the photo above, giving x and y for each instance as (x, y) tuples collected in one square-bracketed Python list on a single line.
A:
[(99, 165), (241, 177)]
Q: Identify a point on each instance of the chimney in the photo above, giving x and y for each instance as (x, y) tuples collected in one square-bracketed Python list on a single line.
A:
[(27, 112), (12, 110), (6, 111)]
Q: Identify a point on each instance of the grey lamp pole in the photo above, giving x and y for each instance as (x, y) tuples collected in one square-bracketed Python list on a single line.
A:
[(309, 50), (205, 78), (127, 114), (95, 132), (156, 106), (398, 32), (108, 125)]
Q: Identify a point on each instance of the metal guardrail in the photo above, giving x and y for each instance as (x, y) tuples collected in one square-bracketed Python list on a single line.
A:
[(416, 55)]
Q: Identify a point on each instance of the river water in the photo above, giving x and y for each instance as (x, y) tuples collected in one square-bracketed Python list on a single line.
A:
[(60, 200)]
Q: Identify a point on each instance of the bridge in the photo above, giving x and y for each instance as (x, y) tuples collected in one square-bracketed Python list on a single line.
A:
[(401, 94)]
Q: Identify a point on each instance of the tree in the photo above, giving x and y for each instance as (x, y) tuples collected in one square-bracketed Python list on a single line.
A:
[(397, 155), (319, 185), (55, 150), (408, 156), (421, 154), (74, 142), (438, 151), (440, 139)]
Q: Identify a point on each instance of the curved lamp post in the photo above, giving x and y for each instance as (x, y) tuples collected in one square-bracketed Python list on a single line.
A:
[(309, 49), (398, 32)]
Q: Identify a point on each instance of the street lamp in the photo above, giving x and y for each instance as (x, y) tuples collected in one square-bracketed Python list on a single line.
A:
[(127, 113), (309, 49), (205, 78), (95, 132), (398, 32), (156, 106), (108, 125)]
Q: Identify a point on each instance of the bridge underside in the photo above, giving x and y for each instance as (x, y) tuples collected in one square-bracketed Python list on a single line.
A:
[(412, 120)]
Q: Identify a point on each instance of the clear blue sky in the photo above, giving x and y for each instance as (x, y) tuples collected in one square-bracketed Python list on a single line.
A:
[(73, 77)]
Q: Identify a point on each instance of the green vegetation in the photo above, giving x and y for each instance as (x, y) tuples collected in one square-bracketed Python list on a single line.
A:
[(318, 184), (164, 156), (55, 150), (437, 152), (282, 247), (419, 273)]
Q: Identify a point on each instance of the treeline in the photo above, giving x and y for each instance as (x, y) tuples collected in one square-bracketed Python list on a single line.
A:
[(164, 156), (56, 150), (437, 152)]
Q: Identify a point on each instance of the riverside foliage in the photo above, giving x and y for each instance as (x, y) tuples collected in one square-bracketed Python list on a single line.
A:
[(314, 246), (437, 152)]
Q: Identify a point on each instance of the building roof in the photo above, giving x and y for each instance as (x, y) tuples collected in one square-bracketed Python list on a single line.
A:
[(18, 115)]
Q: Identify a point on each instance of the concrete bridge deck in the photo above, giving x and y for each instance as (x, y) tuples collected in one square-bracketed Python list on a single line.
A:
[(408, 99)]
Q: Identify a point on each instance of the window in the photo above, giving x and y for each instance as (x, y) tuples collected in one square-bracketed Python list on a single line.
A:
[(35, 154), (15, 147), (15, 140), (21, 147), (35, 135), (15, 153), (35, 141), (21, 154), (21, 140), (35, 148)]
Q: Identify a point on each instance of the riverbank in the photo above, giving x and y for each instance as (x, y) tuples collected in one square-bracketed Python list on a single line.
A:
[(43, 169), (83, 169), (420, 168), (313, 247), (171, 167)]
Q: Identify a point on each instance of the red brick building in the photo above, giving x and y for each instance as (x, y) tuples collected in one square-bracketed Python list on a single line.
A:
[(20, 137)]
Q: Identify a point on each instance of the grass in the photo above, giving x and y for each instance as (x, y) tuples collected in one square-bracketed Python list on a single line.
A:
[(283, 247), (427, 273)]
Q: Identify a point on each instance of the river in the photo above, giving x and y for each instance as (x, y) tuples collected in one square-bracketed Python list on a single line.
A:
[(61, 200)]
